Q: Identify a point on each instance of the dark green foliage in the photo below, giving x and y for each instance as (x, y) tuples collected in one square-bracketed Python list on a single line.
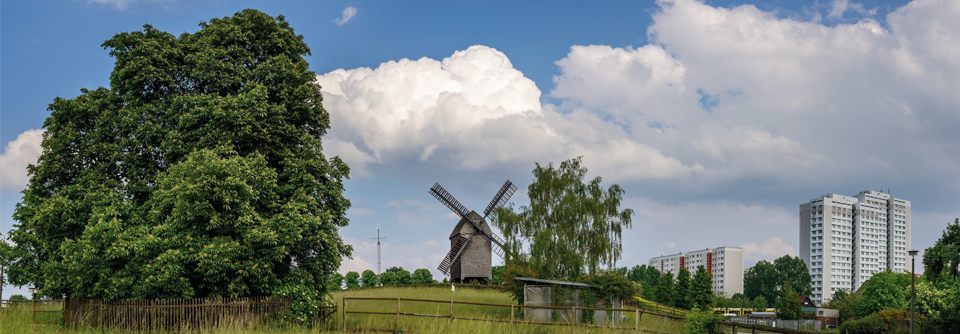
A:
[(700, 321), (352, 279), (609, 286), (17, 297), (761, 280), (199, 173), (843, 301), (701, 289), (788, 307), (941, 263), (445, 281), (572, 228), (368, 278), (794, 271), (665, 286), (884, 290), (650, 282), (334, 282), (766, 279), (388, 278), (869, 325), (421, 276), (497, 273), (683, 292), (512, 286), (760, 304)]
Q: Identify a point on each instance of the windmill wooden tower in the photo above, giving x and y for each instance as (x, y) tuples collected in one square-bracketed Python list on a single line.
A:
[(472, 241)]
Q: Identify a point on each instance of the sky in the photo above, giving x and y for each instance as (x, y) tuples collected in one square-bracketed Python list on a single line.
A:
[(718, 118)]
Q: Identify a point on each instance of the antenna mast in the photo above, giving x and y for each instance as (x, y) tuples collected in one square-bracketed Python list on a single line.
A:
[(378, 248)]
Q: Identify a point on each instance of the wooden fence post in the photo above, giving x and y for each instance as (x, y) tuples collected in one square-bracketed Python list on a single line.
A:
[(344, 314), (573, 318), (397, 327), (636, 318), (511, 318), (100, 313)]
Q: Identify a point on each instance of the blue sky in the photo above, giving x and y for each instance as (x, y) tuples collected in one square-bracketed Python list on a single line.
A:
[(719, 118)]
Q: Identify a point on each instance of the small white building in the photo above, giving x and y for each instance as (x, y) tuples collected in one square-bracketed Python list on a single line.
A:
[(724, 263)]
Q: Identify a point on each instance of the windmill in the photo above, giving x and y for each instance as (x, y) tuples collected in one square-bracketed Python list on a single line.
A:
[(470, 259)]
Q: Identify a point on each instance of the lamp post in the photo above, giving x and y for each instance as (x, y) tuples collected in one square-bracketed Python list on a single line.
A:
[(913, 284)]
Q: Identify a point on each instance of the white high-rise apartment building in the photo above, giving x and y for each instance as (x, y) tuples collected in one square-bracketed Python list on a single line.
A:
[(725, 263), (847, 239)]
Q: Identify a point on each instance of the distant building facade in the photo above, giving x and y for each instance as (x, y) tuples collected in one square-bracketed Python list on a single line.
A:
[(725, 263), (847, 239)]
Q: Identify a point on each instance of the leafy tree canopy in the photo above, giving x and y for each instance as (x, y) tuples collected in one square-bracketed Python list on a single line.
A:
[(198, 173), (843, 301), (572, 228), (701, 290), (884, 290), (788, 307), (941, 263), (421, 276), (369, 278), (352, 279), (683, 293), (768, 279), (665, 289), (761, 280)]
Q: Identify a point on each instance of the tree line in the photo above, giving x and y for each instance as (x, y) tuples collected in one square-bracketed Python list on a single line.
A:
[(766, 285), (392, 276)]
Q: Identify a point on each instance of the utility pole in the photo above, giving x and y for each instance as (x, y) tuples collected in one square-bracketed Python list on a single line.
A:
[(378, 248), (913, 283)]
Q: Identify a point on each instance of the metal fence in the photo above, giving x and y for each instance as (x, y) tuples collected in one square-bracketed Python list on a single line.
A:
[(797, 325)]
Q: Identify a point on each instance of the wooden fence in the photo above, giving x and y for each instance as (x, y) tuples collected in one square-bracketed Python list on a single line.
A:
[(513, 311), (179, 314)]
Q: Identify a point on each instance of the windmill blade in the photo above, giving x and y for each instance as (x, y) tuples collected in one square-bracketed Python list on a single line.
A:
[(456, 252), (447, 199), (501, 198)]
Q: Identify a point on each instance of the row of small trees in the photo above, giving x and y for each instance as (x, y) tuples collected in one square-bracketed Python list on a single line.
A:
[(765, 285), (392, 276)]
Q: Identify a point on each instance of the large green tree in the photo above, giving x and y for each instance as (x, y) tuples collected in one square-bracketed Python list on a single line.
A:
[(572, 228), (352, 279), (941, 262), (761, 280), (701, 289), (198, 173), (794, 272), (788, 306), (884, 290), (682, 294), (369, 278), (665, 286), (768, 279)]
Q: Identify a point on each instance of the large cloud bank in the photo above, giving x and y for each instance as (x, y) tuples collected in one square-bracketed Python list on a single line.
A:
[(718, 95), (470, 111)]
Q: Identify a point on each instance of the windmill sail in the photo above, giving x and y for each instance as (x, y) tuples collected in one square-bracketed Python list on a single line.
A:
[(456, 252), (506, 191)]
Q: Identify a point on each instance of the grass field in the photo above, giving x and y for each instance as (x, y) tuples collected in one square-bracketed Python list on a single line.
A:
[(18, 320)]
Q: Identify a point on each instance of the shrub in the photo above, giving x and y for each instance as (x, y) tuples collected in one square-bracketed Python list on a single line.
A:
[(699, 322), (872, 324)]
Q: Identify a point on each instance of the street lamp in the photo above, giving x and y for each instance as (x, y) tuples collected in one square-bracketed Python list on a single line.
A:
[(913, 284)]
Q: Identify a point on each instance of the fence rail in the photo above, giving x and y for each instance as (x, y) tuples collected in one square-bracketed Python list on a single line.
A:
[(513, 320)]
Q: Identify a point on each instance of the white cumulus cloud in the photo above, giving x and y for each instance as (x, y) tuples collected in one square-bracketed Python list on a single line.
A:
[(16, 156), (470, 111), (348, 13), (770, 249)]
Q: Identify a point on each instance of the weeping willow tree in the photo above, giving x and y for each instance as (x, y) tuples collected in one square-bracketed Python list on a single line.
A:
[(571, 229)]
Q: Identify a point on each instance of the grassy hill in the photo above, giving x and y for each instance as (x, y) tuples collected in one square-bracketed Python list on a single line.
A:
[(499, 314)]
